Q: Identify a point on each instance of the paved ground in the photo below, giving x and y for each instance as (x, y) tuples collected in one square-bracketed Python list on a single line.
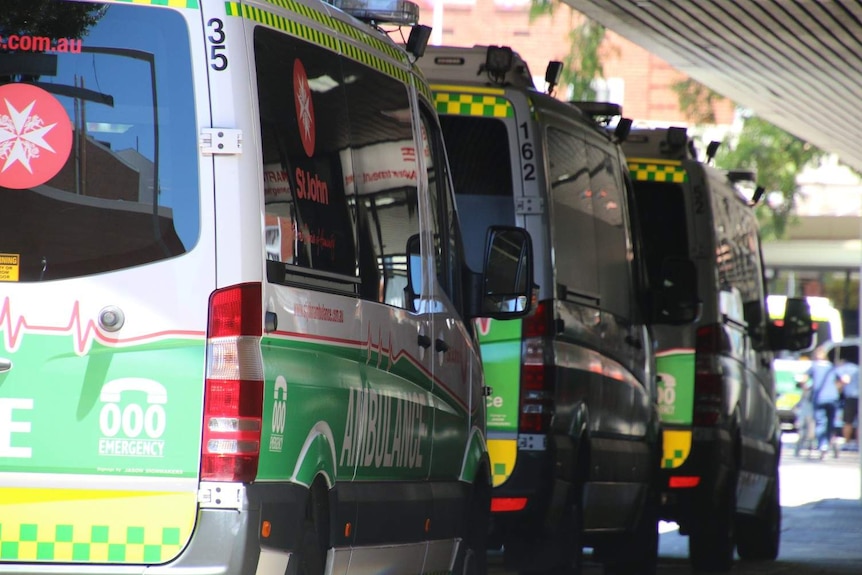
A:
[(821, 527)]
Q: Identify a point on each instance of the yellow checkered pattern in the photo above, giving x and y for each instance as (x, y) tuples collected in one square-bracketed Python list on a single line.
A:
[(473, 105), (171, 3), (677, 446), (503, 454), (318, 35), (94, 526), (656, 172), (87, 543)]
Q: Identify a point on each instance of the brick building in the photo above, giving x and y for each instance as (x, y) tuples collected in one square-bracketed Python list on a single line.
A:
[(633, 77)]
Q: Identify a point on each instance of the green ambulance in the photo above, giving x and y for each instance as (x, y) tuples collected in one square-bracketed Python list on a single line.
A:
[(235, 318), (573, 425), (721, 430)]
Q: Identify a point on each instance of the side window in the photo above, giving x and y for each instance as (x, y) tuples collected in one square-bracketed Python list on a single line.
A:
[(612, 241), (574, 236), (479, 157), (383, 154), (446, 228), (309, 211)]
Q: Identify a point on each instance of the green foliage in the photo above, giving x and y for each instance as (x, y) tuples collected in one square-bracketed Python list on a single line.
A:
[(49, 17), (777, 157), (582, 64), (696, 101)]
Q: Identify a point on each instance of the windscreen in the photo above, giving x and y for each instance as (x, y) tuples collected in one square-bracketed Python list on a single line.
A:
[(98, 146), (662, 217), (478, 150)]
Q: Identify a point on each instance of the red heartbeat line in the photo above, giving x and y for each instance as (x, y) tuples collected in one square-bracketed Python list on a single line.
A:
[(84, 331)]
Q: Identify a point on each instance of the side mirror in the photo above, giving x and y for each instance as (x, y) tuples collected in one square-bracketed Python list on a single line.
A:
[(675, 299), (793, 329), (507, 273)]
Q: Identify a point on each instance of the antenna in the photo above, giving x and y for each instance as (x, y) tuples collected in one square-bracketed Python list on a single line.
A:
[(711, 149), (552, 75)]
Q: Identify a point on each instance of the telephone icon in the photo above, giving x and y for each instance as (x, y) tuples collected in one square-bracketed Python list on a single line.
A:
[(155, 391)]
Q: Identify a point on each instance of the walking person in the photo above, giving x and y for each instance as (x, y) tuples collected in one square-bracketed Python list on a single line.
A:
[(848, 375), (824, 397)]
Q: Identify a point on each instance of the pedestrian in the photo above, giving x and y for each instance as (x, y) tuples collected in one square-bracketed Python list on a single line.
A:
[(824, 397), (848, 375)]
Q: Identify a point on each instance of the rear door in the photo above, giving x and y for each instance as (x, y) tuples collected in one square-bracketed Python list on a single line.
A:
[(481, 141), (107, 264)]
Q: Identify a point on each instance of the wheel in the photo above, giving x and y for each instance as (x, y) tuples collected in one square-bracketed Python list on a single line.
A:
[(560, 553), (474, 554), (759, 537), (311, 553), (711, 542), (636, 553)]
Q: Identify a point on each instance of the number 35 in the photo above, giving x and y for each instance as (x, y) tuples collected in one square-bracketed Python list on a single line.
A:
[(216, 40)]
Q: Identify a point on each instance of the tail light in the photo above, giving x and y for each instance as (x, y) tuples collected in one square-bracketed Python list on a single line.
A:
[(712, 342), (537, 377), (233, 394)]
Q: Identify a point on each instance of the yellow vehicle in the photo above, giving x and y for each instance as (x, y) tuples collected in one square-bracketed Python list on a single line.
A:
[(789, 367)]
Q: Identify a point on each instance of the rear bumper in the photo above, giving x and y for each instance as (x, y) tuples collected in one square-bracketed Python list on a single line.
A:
[(225, 541), (532, 479), (709, 461)]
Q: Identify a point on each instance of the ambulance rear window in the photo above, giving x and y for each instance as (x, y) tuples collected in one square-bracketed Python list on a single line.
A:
[(98, 144), (478, 150), (661, 212)]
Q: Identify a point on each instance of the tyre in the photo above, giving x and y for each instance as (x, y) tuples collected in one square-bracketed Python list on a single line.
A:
[(636, 553), (711, 543), (759, 537), (560, 553), (311, 554), (473, 557)]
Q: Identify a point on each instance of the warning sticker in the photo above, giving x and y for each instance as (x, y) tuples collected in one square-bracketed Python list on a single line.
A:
[(9, 264), (35, 136)]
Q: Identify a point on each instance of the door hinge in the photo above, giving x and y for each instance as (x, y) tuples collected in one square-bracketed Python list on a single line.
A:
[(529, 205), (220, 141)]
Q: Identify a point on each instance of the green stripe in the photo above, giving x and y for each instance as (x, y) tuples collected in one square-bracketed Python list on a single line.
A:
[(329, 41)]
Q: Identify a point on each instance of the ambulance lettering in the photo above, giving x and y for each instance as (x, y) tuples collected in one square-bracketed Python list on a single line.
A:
[(384, 430), (279, 411), (310, 187), (123, 418), (12, 424)]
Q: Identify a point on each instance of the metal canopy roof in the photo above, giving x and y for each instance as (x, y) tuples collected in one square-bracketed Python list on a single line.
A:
[(795, 63)]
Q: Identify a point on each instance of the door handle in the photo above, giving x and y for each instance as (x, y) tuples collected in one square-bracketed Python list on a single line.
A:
[(440, 345), (5, 364), (424, 341)]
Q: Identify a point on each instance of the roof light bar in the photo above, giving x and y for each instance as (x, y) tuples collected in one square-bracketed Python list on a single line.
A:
[(400, 12)]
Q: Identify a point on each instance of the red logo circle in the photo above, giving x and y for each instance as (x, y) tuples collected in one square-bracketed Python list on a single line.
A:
[(304, 107), (35, 136)]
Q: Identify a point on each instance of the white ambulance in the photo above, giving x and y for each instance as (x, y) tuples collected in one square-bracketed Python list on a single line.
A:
[(234, 312)]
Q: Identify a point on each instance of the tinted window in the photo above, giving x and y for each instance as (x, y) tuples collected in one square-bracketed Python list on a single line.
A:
[(384, 180), (662, 218), (340, 171), (574, 234), (98, 141), (612, 240), (447, 234), (306, 157), (479, 157)]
